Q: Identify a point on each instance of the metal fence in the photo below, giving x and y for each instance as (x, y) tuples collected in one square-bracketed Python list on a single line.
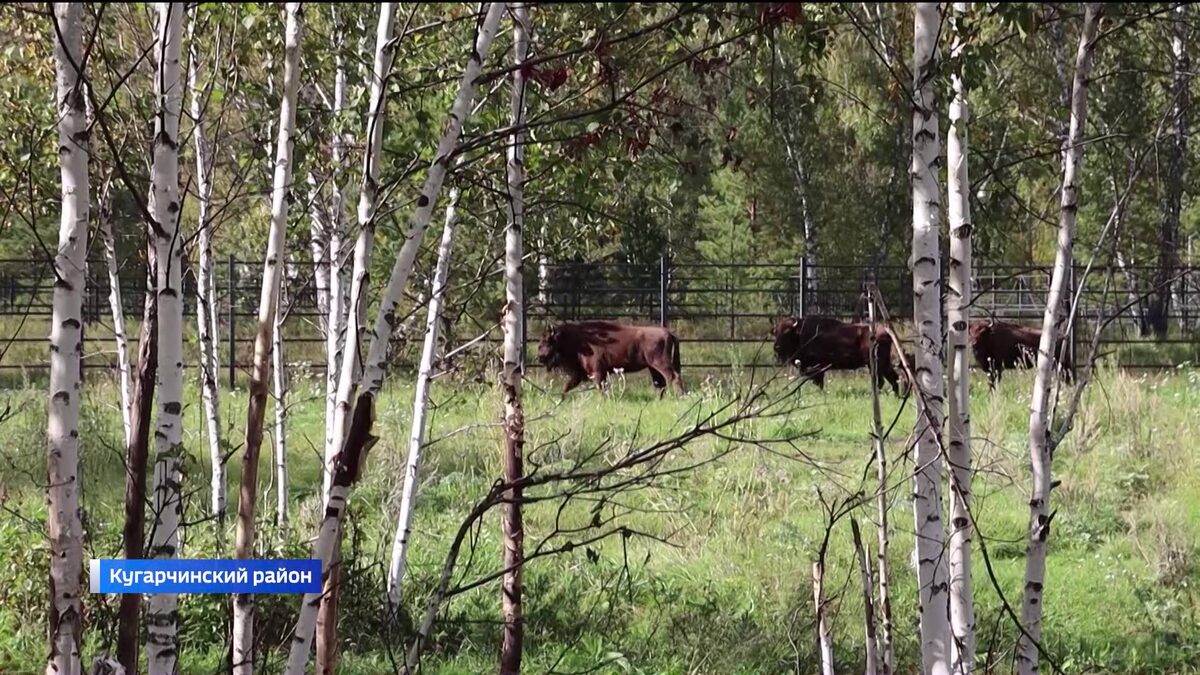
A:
[(722, 312)]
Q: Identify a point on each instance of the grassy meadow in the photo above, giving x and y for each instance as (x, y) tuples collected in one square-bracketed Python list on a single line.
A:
[(716, 578)]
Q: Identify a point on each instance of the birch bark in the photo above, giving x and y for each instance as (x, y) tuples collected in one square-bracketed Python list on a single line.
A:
[(1039, 432), (162, 630), (206, 291), (273, 267), (420, 405), (958, 314), (356, 431), (932, 583), (114, 303), (337, 414), (66, 344), (512, 528)]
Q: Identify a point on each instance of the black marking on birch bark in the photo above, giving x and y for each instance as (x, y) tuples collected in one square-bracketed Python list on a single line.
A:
[(64, 396), (422, 201)]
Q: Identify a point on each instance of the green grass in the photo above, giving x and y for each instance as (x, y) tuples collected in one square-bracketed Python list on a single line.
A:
[(728, 590)]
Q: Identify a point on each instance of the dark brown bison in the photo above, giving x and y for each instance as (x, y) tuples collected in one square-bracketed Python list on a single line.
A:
[(594, 349), (999, 345), (818, 344)]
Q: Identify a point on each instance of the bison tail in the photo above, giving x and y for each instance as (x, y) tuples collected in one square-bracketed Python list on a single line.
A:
[(673, 345)]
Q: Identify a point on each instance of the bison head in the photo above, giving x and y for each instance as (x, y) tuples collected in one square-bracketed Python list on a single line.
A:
[(549, 349), (786, 339)]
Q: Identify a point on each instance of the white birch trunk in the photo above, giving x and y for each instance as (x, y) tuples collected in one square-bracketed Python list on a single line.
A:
[(824, 637), (926, 270), (871, 655), (887, 661), (420, 405), (243, 605), (206, 292), (386, 318), (512, 528), (335, 323), (337, 421), (318, 244), (117, 309), (162, 640), (1039, 432), (66, 344), (279, 379), (347, 466), (958, 314), (365, 243)]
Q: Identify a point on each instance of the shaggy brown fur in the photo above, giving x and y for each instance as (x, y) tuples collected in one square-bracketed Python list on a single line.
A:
[(593, 349), (818, 344), (1000, 345)]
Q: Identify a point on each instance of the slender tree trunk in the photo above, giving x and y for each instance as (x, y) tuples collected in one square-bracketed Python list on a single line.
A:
[(357, 432), (114, 303), (280, 381), (1168, 240), (417, 433), (337, 420), (958, 310), (887, 661), (364, 244), (136, 454), (1039, 432), (927, 309), (824, 635), (243, 604), (864, 567), (318, 244), (162, 640), (66, 345), (335, 335), (512, 528), (206, 291)]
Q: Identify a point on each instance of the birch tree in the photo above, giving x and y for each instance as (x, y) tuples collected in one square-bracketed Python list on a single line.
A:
[(416, 439), (364, 244), (162, 636), (357, 434), (66, 344), (318, 244), (352, 333), (279, 380), (136, 453), (243, 605), (206, 290), (958, 315), (512, 529), (927, 310), (104, 220), (1039, 433), (887, 655), (335, 335)]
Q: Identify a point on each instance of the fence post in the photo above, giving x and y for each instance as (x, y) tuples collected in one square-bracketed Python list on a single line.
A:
[(664, 277), (232, 283), (802, 308)]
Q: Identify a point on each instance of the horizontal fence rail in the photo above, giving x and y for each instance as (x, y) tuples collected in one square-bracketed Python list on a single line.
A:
[(722, 313)]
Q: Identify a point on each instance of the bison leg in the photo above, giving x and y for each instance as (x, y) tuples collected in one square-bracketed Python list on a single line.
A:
[(660, 382), (888, 372), (572, 381), (817, 375), (600, 377)]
